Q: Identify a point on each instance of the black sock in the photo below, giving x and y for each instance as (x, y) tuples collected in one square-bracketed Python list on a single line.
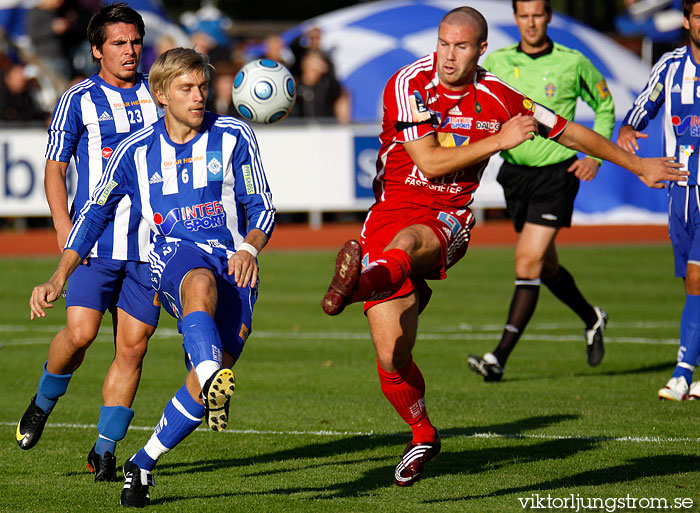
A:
[(564, 288), (522, 306)]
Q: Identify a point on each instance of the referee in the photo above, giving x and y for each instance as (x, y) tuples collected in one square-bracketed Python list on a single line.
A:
[(540, 178)]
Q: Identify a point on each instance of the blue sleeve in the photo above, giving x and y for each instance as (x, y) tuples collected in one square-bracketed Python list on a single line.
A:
[(66, 128), (251, 187), (96, 214), (648, 103)]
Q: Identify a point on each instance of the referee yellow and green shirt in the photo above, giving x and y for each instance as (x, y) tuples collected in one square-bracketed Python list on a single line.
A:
[(554, 77)]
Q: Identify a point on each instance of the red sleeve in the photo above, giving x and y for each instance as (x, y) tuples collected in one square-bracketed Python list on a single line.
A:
[(404, 104)]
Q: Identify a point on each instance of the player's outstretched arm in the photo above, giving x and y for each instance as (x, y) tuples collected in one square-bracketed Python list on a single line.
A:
[(434, 160), (46, 293), (243, 264), (627, 138), (651, 171)]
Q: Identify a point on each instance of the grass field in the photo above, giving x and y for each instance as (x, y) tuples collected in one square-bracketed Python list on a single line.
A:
[(311, 431)]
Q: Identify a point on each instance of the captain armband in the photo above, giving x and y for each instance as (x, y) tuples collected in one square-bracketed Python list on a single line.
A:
[(403, 125), (545, 117)]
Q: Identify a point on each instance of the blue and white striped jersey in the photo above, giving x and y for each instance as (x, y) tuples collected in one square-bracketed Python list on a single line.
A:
[(88, 123), (211, 190), (675, 85)]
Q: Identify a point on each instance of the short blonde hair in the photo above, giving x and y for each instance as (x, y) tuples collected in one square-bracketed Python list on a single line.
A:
[(175, 63)]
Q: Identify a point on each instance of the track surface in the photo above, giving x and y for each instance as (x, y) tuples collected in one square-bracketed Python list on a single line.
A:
[(331, 236)]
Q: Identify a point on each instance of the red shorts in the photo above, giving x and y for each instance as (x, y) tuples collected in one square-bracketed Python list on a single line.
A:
[(452, 228)]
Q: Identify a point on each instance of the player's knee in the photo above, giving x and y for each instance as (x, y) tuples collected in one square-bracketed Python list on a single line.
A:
[(199, 287), (391, 361), (132, 351), (80, 335), (528, 268)]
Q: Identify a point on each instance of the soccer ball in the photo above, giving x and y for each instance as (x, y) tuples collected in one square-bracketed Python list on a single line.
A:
[(264, 91)]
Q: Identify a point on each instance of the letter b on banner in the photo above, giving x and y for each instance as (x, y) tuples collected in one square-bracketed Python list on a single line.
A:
[(19, 176)]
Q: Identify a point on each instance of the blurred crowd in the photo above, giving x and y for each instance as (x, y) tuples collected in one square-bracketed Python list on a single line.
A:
[(55, 54)]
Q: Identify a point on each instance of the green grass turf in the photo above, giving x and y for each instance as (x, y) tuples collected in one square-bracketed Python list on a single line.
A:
[(311, 431)]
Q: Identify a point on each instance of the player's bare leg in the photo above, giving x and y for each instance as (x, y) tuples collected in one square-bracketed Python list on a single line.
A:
[(131, 344), (118, 391), (68, 347), (66, 353), (393, 325)]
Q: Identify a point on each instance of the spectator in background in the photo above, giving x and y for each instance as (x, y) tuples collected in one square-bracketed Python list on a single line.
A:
[(220, 96), (46, 29), (277, 50), (309, 41), (17, 101), (319, 94)]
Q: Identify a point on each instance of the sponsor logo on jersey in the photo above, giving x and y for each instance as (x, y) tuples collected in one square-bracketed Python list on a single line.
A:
[(214, 166), (450, 140), (248, 179), (602, 88), (203, 215), (106, 192), (459, 122), (215, 243), (454, 111), (549, 90), (675, 89), (691, 122), (492, 126), (657, 91), (156, 178), (105, 116), (106, 152)]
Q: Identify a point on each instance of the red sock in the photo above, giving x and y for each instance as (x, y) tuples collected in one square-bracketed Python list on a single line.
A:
[(384, 276), (405, 390)]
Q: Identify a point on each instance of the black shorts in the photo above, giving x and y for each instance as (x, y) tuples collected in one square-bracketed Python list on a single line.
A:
[(539, 195)]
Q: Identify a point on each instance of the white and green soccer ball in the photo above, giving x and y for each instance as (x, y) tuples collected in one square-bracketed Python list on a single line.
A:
[(264, 91)]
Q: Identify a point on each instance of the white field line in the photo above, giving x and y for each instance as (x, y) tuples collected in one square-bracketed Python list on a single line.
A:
[(40, 327), (485, 333), (325, 433)]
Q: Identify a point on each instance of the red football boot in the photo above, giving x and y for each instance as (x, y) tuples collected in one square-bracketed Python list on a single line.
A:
[(410, 468), (348, 265)]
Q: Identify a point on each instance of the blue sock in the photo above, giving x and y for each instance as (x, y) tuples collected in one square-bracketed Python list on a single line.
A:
[(690, 338), (112, 426), (181, 416), (51, 387), (201, 338)]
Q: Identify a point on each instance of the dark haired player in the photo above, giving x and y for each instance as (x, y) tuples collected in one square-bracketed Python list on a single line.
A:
[(90, 119)]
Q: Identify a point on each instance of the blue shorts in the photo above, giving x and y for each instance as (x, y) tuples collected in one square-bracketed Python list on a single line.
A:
[(170, 263), (684, 226), (104, 283)]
